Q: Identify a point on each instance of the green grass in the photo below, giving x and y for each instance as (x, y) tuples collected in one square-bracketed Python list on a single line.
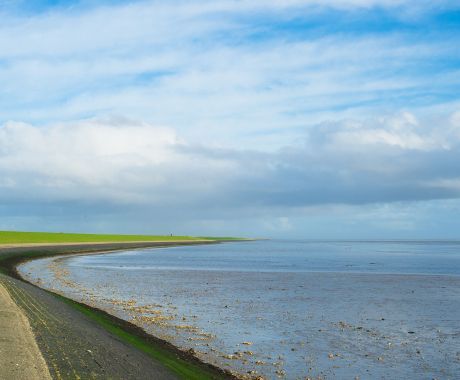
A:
[(179, 366), (13, 237)]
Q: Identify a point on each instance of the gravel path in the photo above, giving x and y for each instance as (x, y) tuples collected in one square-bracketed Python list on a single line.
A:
[(20, 357)]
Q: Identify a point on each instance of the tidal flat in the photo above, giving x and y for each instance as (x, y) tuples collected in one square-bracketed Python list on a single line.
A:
[(284, 309)]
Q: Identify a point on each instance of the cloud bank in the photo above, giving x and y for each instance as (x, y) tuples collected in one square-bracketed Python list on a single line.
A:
[(119, 160)]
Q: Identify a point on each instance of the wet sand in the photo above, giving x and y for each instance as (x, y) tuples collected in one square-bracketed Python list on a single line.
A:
[(331, 325)]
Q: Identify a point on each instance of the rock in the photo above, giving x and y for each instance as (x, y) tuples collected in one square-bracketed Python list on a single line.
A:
[(231, 356)]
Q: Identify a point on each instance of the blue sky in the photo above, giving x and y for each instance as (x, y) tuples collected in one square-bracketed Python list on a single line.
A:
[(317, 119)]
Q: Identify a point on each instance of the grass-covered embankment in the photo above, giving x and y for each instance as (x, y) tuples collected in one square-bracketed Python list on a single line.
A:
[(16, 237)]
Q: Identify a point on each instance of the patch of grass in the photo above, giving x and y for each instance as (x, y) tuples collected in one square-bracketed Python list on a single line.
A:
[(179, 366), (14, 237)]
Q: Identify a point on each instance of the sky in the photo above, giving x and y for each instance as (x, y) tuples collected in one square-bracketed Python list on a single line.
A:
[(331, 119)]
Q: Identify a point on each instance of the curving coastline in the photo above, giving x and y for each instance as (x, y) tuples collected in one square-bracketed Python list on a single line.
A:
[(346, 323), (79, 341)]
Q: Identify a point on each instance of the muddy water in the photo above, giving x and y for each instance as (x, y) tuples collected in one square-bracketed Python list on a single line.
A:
[(285, 309)]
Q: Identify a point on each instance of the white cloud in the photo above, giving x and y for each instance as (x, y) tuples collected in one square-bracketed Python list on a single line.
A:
[(210, 78), (402, 131), (113, 160)]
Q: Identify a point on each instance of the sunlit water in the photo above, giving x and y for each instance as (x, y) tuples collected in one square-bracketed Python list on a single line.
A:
[(290, 309)]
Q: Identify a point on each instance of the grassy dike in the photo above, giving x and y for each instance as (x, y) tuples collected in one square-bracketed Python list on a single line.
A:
[(16, 237), (181, 363)]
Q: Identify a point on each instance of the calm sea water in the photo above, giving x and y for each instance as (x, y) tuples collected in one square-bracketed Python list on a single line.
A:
[(287, 309)]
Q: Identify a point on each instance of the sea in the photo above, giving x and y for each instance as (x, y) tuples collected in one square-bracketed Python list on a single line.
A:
[(289, 309)]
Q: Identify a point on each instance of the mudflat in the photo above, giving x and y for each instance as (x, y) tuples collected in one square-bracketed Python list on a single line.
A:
[(241, 306), (20, 357)]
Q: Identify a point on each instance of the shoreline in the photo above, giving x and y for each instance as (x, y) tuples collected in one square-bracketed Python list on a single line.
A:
[(361, 318), (44, 245), (158, 349)]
